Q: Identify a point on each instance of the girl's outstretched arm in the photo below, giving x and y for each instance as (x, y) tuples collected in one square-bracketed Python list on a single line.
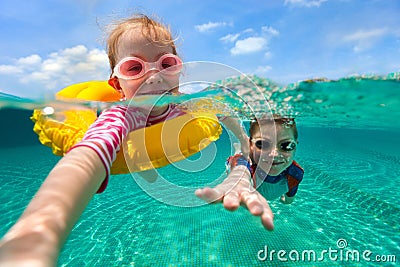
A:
[(37, 237), (39, 234)]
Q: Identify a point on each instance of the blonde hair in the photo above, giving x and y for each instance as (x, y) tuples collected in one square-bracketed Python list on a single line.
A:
[(153, 30)]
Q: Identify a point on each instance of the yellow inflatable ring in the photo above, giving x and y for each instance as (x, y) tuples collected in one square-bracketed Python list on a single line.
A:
[(147, 148)]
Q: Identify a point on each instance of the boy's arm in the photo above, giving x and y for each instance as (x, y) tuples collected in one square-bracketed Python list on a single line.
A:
[(235, 190), (38, 235), (296, 176)]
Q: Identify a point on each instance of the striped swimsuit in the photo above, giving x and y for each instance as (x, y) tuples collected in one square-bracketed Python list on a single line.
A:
[(106, 134)]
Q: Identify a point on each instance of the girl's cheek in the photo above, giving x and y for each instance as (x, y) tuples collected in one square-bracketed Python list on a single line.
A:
[(129, 88)]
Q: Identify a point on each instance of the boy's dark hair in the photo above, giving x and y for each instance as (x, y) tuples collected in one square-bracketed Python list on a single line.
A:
[(286, 122)]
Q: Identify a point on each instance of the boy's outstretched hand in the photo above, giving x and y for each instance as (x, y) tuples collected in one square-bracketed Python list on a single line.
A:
[(237, 190)]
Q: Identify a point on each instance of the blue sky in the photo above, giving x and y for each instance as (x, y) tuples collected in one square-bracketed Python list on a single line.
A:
[(46, 45)]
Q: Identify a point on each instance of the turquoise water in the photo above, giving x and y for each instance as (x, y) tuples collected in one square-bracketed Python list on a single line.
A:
[(347, 202)]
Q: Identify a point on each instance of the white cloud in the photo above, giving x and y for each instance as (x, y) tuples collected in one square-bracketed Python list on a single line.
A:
[(249, 45), (230, 38), (305, 3), (251, 41), (36, 75), (365, 35), (269, 30), (364, 39), (249, 30), (268, 55), (210, 26), (9, 70), (75, 52), (21, 65), (30, 60)]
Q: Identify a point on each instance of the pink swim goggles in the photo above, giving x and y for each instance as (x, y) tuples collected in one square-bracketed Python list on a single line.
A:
[(131, 68)]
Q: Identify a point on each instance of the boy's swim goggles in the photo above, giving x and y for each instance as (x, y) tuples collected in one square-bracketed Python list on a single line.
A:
[(286, 145), (131, 68)]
